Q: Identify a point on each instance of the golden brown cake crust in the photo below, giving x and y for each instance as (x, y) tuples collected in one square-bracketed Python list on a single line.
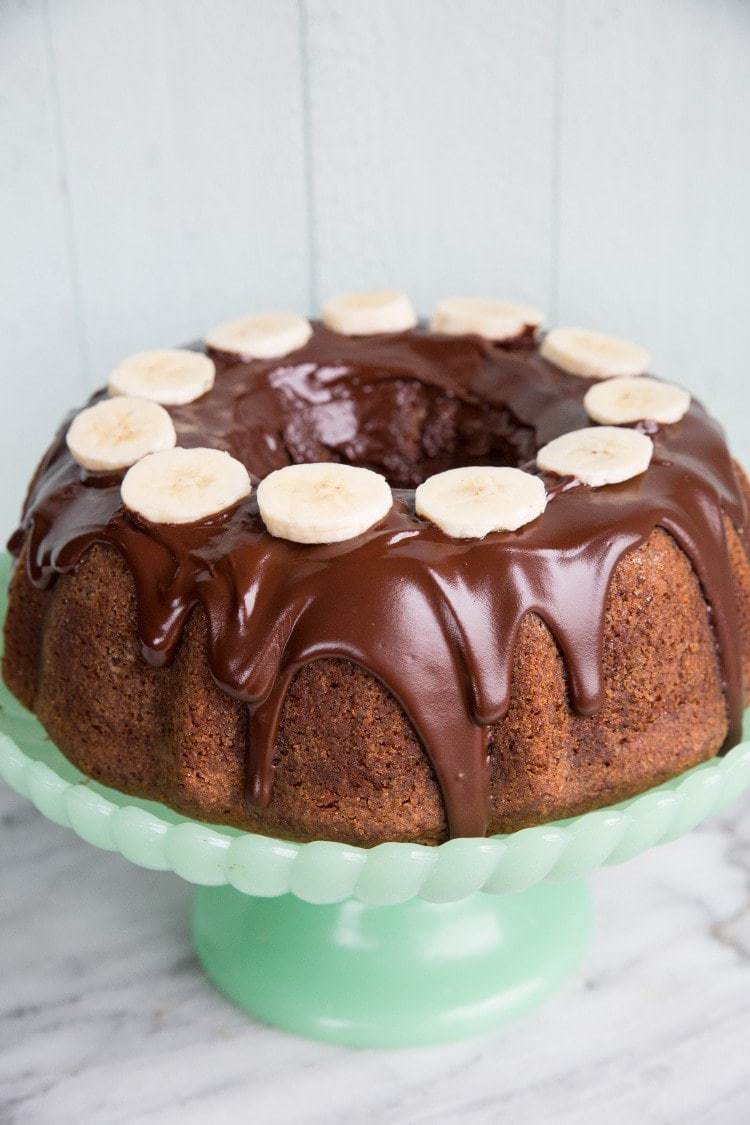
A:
[(348, 764)]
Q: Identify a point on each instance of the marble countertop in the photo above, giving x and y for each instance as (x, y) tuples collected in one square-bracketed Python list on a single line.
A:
[(105, 1016)]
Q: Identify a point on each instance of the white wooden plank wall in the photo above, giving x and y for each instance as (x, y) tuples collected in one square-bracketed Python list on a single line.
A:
[(433, 145), (168, 163), (654, 227)]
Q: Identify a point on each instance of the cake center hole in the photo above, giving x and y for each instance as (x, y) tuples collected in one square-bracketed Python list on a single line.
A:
[(408, 432)]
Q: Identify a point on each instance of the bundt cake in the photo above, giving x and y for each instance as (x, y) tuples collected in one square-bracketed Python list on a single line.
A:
[(370, 580)]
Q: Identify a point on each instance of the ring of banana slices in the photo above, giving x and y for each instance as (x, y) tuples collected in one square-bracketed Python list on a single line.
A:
[(330, 502)]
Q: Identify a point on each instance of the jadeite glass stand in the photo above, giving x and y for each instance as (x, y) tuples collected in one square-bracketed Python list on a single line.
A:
[(393, 946)]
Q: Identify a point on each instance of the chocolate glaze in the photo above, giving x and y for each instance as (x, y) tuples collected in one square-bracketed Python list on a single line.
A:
[(434, 619)]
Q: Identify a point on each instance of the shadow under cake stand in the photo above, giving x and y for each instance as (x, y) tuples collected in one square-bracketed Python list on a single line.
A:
[(390, 946)]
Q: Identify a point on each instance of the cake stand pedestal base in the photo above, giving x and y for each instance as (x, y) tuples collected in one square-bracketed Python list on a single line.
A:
[(391, 976)]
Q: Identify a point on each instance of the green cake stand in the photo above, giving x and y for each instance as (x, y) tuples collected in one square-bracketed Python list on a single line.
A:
[(391, 946)]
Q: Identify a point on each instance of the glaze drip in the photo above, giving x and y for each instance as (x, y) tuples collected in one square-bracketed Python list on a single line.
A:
[(434, 619)]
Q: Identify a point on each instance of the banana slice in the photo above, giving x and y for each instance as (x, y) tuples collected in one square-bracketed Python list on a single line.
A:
[(494, 320), (367, 314), (119, 431), (592, 354), (184, 485), (468, 503), (171, 376), (267, 336), (622, 400), (322, 503), (597, 455)]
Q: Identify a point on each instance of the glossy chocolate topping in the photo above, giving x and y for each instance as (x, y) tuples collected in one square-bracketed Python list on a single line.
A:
[(434, 619)]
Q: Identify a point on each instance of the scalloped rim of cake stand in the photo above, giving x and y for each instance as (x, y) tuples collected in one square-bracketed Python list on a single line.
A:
[(155, 837)]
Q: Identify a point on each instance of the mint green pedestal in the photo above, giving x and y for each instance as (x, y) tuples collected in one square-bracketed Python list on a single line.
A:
[(391, 976), (390, 946)]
